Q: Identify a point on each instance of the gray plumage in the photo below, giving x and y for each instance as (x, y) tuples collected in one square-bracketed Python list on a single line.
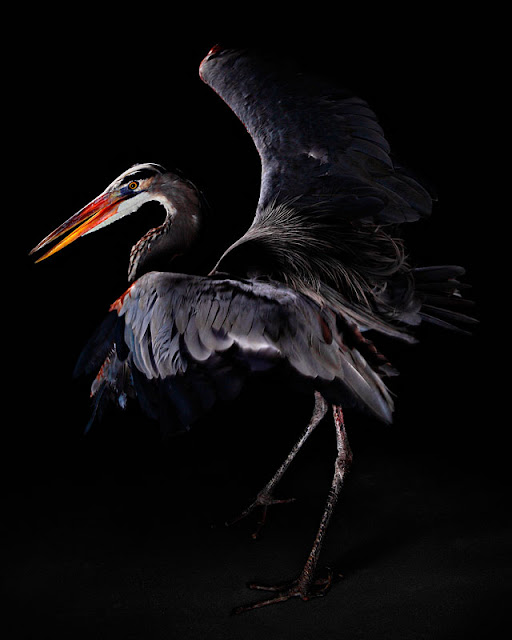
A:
[(317, 142), (331, 197), (320, 269), (194, 328), (322, 253)]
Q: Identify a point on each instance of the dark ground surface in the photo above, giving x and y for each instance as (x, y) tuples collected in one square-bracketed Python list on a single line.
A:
[(118, 535)]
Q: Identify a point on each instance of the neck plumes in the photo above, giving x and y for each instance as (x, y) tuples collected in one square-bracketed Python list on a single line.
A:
[(178, 233)]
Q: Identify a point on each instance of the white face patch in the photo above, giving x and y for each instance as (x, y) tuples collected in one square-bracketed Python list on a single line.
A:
[(124, 208)]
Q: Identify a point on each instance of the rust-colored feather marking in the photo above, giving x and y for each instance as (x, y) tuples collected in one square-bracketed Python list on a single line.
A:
[(117, 305)]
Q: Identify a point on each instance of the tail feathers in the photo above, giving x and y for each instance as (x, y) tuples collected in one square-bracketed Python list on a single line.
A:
[(439, 290)]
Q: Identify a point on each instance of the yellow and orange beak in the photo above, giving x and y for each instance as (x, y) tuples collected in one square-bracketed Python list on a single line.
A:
[(98, 212)]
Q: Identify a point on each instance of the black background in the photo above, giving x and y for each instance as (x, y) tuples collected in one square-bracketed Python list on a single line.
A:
[(118, 534)]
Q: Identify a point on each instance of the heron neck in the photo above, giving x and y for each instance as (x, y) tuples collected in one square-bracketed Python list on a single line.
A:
[(179, 245)]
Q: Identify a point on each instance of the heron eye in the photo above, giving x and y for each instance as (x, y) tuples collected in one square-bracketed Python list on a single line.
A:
[(133, 185)]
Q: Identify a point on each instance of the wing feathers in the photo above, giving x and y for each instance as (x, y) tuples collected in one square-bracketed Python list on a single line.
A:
[(305, 128), (208, 324), (218, 332)]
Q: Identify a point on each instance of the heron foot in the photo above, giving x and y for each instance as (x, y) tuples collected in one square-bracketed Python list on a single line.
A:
[(299, 588), (263, 500)]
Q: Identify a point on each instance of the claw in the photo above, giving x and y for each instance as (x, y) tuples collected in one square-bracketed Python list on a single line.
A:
[(263, 499), (298, 588)]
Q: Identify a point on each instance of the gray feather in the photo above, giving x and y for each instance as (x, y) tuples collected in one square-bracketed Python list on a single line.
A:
[(183, 330)]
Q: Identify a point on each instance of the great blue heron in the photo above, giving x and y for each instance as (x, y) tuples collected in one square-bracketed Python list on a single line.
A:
[(320, 269)]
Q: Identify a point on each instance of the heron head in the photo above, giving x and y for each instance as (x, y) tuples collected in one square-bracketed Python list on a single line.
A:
[(127, 193)]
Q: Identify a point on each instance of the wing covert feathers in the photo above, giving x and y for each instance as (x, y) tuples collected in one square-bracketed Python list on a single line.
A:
[(218, 331)]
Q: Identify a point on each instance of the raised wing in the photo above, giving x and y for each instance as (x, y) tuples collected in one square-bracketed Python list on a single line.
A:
[(316, 142), (330, 194), (217, 331)]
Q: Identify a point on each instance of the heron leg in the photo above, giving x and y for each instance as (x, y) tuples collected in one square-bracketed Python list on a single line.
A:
[(306, 586), (265, 497)]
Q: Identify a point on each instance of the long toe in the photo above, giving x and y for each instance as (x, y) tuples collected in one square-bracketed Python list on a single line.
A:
[(263, 501), (285, 590)]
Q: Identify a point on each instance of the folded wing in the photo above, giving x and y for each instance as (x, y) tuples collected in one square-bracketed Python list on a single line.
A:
[(193, 340)]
